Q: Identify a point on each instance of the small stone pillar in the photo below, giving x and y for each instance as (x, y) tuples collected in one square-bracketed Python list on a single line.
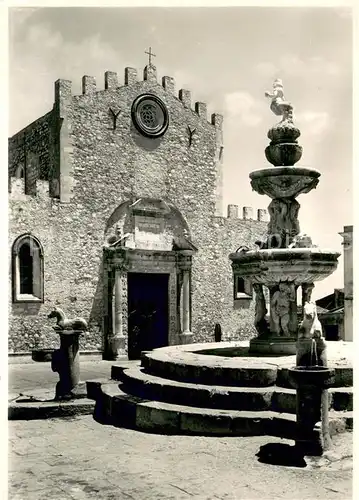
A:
[(186, 335), (185, 303), (117, 340), (66, 362), (217, 333), (312, 383)]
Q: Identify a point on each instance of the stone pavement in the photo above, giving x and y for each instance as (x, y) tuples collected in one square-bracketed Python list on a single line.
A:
[(26, 374), (81, 459)]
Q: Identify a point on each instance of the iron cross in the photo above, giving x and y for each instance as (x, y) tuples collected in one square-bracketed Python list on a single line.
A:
[(150, 54)]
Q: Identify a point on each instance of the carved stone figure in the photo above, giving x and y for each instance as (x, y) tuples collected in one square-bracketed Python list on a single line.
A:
[(310, 327), (261, 322), (279, 105), (281, 309), (284, 224), (67, 324), (301, 241), (307, 290)]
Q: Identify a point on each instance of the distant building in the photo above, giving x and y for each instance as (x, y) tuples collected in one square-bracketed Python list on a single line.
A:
[(347, 243), (335, 311), (331, 314)]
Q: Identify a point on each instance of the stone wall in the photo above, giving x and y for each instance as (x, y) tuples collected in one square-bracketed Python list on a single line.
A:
[(32, 150), (95, 168)]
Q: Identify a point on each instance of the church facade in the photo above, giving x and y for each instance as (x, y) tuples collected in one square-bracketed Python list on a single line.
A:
[(115, 206)]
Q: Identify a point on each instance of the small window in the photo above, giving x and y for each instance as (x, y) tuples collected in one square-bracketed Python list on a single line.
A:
[(19, 173), (27, 266), (242, 288)]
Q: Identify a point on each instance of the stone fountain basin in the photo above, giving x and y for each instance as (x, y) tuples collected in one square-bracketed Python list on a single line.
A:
[(272, 266), (284, 182), (318, 376)]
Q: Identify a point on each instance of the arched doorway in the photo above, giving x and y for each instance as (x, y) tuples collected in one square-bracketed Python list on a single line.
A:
[(147, 267)]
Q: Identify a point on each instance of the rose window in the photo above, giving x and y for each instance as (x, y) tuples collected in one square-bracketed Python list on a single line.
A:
[(149, 115)]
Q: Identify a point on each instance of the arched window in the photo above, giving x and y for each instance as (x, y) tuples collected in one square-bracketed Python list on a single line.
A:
[(19, 173), (28, 269)]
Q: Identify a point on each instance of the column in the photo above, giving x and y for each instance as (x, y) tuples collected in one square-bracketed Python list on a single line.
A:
[(185, 303), (186, 336), (115, 340), (118, 305)]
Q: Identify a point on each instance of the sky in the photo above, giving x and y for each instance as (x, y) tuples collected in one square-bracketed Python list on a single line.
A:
[(228, 57)]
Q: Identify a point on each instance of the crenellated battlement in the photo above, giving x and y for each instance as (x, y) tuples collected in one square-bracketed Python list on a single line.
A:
[(247, 213), (63, 89), (17, 190)]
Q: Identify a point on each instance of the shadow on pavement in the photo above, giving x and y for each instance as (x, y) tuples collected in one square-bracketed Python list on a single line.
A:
[(281, 454)]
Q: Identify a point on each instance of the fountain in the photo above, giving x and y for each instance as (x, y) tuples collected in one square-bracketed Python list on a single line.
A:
[(226, 388), (286, 259)]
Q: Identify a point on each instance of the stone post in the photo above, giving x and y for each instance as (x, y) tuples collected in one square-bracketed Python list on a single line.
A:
[(313, 436), (185, 302), (186, 336), (116, 341), (118, 305), (66, 362)]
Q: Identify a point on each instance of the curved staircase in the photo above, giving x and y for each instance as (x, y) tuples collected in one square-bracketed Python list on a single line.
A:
[(178, 390)]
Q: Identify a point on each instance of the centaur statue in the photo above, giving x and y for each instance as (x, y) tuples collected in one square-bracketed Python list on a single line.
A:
[(66, 360), (63, 323)]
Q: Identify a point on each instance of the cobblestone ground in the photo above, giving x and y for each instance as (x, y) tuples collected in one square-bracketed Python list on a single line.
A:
[(81, 459), (24, 377)]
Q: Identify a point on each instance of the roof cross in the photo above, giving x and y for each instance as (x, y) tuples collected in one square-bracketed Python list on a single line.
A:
[(150, 54)]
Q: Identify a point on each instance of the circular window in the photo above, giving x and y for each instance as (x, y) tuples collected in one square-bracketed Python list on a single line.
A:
[(150, 115)]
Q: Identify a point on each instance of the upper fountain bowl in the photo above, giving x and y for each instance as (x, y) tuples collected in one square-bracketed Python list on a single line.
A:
[(272, 266), (284, 182)]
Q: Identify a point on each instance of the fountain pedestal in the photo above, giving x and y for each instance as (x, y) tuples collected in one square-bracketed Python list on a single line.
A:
[(66, 362), (312, 383)]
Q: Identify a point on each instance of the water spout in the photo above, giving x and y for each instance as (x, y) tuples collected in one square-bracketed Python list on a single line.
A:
[(313, 353)]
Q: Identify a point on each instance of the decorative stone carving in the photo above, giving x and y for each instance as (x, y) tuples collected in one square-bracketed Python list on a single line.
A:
[(150, 115), (283, 149), (281, 309), (261, 322), (66, 360), (63, 323), (307, 290), (299, 265), (284, 182), (191, 132), (284, 224), (279, 105), (310, 327), (302, 241)]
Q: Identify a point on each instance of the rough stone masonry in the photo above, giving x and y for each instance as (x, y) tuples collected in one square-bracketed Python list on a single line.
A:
[(125, 179)]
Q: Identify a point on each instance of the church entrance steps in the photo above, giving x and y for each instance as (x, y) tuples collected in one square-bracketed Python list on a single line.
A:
[(117, 407)]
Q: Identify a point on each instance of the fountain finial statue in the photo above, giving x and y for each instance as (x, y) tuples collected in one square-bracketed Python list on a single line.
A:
[(279, 105)]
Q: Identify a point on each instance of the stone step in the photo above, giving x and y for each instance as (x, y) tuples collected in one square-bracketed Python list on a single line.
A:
[(148, 386), (253, 374), (117, 407), (247, 372)]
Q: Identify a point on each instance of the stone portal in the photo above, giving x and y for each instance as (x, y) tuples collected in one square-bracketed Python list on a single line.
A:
[(148, 318), (147, 278)]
